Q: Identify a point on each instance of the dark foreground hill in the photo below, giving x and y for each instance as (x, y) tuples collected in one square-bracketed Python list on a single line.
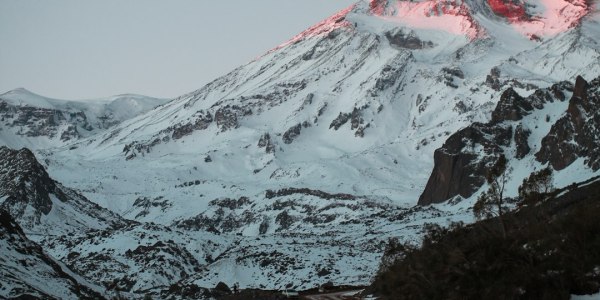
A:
[(550, 252)]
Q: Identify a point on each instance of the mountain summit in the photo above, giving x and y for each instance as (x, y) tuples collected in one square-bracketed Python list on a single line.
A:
[(370, 82), (328, 141), (534, 18)]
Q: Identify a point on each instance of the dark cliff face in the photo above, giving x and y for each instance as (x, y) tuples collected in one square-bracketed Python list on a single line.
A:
[(28, 192), (25, 265), (459, 171), (577, 133), (512, 107), (460, 165), (23, 181)]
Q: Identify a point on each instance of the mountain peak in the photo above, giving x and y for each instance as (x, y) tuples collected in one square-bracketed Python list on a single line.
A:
[(532, 18)]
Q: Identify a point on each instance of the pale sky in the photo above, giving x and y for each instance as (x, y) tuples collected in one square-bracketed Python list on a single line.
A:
[(74, 49)]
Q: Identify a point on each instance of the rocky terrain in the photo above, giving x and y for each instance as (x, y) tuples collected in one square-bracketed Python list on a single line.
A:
[(366, 127), (41, 205), (33, 121), (27, 271), (515, 131)]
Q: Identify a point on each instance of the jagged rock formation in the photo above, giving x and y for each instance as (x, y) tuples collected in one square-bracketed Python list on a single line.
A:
[(43, 122), (461, 164), (292, 133), (401, 39), (577, 133), (35, 200), (203, 120), (24, 182), (27, 272)]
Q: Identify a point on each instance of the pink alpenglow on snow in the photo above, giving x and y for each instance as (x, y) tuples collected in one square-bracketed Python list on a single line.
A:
[(328, 25), (508, 9), (452, 16), (532, 18), (551, 17)]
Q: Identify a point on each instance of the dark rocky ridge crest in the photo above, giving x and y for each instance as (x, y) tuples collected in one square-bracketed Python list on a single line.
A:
[(30, 193), (18, 283), (23, 181), (577, 133), (460, 170)]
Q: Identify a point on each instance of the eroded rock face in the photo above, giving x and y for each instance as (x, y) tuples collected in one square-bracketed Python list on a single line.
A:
[(203, 120), (266, 142), (493, 79), (407, 40), (457, 170), (577, 133), (511, 107), (30, 194), (27, 272), (227, 118), (521, 136), (23, 181), (461, 164), (292, 133), (356, 119)]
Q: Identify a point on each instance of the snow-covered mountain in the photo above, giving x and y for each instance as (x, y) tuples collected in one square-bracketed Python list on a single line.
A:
[(356, 104), (327, 143), (37, 122)]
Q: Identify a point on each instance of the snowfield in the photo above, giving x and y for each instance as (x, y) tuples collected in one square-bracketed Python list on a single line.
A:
[(295, 169)]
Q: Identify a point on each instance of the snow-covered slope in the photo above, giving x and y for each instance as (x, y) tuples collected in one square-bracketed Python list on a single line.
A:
[(33, 121), (355, 105), (324, 143), (27, 272), (42, 205)]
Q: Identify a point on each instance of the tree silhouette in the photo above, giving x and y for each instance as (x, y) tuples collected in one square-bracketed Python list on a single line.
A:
[(491, 203), (536, 187)]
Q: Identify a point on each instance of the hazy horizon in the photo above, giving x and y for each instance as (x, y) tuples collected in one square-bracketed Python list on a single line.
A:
[(73, 49)]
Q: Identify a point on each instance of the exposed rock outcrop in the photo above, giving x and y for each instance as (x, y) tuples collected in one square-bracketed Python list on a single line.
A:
[(27, 272), (292, 133), (29, 194), (493, 79), (521, 141), (577, 133), (407, 40), (305, 191), (461, 164), (460, 171), (266, 142), (203, 120), (511, 107), (24, 182), (357, 122), (227, 118), (38, 122)]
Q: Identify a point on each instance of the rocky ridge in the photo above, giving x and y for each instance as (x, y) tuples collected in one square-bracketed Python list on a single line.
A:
[(37, 122), (462, 162), (27, 272)]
